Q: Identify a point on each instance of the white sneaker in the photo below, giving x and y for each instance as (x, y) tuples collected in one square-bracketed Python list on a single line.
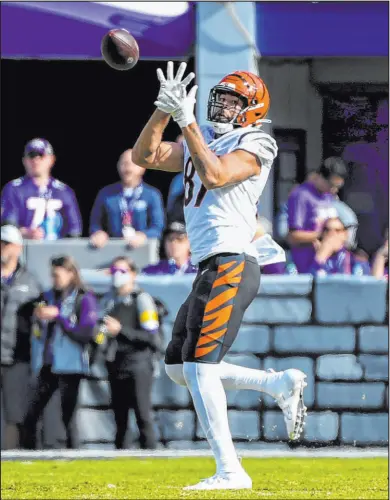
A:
[(289, 396), (227, 481)]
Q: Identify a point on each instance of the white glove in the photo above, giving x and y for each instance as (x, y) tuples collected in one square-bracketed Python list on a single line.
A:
[(173, 99)]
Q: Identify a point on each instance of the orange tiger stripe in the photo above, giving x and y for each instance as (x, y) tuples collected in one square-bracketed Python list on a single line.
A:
[(205, 339), (223, 267), (204, 350), (220, 318), (230, 277), (220, 299)]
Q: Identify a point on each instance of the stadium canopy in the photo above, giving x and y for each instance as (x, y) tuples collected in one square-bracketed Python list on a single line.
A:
[(73, 30), (167, 30)]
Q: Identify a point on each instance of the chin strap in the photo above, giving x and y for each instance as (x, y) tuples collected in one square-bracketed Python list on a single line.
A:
[(222, 128)]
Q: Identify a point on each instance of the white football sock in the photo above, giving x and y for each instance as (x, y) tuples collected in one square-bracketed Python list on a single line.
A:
[(237, 377), (234, 377), (209, 398)]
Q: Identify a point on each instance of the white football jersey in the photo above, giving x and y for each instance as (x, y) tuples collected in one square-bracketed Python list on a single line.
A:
[(224, 219)]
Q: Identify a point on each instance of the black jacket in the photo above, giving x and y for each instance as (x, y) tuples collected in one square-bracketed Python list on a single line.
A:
[(17, 303), (133, 343)]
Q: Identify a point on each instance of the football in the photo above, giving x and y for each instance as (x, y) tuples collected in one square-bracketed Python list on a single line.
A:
[(120, 49)]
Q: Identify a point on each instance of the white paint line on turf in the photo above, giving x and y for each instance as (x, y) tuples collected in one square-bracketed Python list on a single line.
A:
[(345, 452)]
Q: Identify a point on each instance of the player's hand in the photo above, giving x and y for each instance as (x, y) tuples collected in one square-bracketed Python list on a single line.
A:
[(172, 98), (99, 239)]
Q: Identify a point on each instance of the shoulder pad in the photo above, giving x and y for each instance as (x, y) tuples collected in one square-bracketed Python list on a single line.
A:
[(58, 184), (259, 143), (17, 182)]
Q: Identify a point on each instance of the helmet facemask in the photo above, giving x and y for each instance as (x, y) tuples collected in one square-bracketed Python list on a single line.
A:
[(217, 104)]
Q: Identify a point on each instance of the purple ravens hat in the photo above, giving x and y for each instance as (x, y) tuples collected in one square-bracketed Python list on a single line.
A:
[(38, 147)]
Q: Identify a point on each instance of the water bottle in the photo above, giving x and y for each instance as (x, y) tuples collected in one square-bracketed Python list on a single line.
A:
[(291, 269), (49, 226), (172, 266), (358, 269)]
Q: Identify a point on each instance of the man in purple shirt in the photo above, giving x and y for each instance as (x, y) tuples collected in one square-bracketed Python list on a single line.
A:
[(41, 206), (177, 250), (309, 206)]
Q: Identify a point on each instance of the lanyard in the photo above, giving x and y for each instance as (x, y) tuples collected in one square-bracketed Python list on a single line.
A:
[(127, 203), (46, 193), (182, 269), (347, 263)]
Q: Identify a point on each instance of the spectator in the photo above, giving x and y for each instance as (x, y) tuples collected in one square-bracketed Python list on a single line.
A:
[(130, 321), (18, 288), (331, 256), (65, 320), (380, 267), (41, 206), (129, 209), (175, 201), (309, 205), (177, 250)]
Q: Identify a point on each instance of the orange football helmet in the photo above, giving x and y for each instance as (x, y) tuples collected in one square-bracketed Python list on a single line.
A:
[(250, 89)]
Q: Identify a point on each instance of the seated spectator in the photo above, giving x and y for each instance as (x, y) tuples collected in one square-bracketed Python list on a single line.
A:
[(331, 256), (177, 250), (129, 209), (129, 321), (309, 206), (41, 206), (277, 268), (380, 268), (175, 201), (65, 321), (18, 289)]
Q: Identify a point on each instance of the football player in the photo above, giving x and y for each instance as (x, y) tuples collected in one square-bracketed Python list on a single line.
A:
[(226, 166)]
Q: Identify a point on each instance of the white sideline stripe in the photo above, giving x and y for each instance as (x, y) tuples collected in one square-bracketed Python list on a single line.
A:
[(21, 455)]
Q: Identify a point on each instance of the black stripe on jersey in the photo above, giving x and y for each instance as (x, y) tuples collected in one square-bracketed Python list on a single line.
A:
[(252, 132), (264, 146)]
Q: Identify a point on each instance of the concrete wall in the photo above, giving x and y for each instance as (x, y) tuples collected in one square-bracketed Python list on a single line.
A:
[(334, 329), (295, 102)]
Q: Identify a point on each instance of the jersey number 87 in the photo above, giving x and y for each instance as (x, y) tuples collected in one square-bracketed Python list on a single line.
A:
[(189, 172)]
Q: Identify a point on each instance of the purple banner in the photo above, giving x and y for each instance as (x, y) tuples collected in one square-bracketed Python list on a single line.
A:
[(73, 30), (322, 29)]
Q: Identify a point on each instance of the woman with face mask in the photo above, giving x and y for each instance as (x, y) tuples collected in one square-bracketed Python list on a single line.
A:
[(129, 320), (65, 318)]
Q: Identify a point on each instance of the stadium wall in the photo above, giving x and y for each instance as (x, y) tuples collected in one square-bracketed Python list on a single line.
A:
[(333, 328)]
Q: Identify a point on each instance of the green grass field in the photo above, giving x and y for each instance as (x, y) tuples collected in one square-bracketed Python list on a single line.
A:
[(164, 478)]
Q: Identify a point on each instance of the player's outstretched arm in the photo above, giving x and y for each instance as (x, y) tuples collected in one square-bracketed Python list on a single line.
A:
[(151, 152)]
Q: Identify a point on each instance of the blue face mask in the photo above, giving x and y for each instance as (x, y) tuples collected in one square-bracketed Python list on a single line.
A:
[(120, 279)]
